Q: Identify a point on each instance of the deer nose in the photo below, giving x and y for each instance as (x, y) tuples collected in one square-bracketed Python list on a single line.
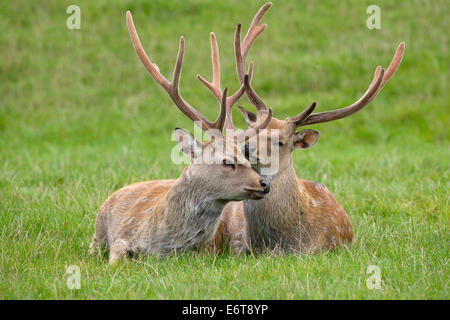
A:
[(265, 185)]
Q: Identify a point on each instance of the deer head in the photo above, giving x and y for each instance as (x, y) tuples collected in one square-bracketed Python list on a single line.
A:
[(218, 163), (259, 149)]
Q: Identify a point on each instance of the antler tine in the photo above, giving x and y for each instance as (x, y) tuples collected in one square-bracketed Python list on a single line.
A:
[(346, 111), (214, 86), (231, 101), (241, 54), (253, 96), (235, 97), (380, 79), (240, 66), (302, 116), (241, 51), (171, 88), (252, 33), (395, 63), (250, 132), (152, 68), (223, 111)]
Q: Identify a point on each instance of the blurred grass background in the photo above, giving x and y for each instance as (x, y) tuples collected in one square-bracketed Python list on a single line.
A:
[(80, 117)]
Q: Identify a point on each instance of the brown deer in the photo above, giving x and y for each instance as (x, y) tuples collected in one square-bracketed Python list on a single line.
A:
[(297, 215), (306, 216), (163, 216)]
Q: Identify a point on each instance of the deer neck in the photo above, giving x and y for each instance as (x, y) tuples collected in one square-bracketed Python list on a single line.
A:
[(190, 215), (277, 220)]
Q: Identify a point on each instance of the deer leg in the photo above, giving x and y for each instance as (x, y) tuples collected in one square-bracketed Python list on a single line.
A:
[(95, 245), (100, 234), (239, 248), (118, 250), (238, 243)]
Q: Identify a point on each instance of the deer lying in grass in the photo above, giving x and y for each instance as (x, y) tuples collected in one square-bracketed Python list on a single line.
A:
[(297, 215), (163, 216), (307, 217)]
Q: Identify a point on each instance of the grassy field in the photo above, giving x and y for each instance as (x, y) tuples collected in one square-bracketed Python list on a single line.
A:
[(80, 117)]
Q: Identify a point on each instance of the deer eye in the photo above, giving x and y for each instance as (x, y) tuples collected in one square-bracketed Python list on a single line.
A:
[(280, 143), (228, 165)]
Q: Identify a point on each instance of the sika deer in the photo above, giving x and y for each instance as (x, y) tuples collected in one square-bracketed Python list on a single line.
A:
[(163, 216), (297, 215)]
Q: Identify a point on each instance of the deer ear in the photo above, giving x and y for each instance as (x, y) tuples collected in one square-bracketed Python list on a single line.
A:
[(249, 116), (187, 143), (305, 139)]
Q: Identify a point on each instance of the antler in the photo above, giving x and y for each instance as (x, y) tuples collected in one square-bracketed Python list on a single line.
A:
[(225, 103), (173, 88), (240, 54), (250, 132), (254, 98), (253, 32), (380, 79), (262, 125)]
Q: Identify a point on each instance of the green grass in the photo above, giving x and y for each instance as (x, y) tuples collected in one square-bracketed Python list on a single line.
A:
[(80, 117)]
